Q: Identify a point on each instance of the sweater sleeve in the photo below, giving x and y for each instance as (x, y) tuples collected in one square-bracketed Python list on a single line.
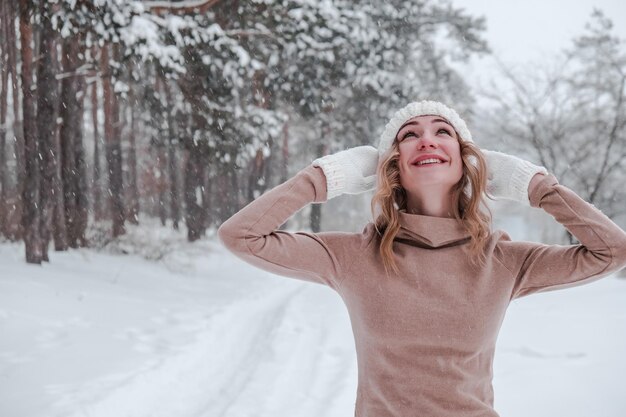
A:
[(252, 235), (540, 267)]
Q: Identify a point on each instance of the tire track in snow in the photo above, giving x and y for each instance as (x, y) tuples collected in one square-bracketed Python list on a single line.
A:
[(256, 334), (308, 366), (203, 374)]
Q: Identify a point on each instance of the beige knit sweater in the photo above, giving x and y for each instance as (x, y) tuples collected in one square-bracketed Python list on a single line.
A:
[(425, 339)]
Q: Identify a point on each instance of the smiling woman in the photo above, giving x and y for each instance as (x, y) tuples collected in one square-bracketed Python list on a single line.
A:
[(426, 294), (453, 189), (429, 185)]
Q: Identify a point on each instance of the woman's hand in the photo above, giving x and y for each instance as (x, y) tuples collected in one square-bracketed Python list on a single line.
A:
[(509, 177), (352, 171)]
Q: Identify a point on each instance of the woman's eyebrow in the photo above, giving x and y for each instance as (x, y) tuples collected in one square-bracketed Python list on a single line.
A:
[(442, 120), (415, 122)]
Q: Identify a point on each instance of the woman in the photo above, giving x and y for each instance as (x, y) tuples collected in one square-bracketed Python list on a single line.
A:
[(427, 283)]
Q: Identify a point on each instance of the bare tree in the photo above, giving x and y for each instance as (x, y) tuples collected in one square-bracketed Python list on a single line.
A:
[(571, 116), (599, 80)]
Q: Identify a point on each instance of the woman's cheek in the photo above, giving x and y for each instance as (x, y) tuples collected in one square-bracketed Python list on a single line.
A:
[(459, 170)]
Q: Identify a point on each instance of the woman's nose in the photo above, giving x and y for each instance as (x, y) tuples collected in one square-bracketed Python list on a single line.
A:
[(426, 140)]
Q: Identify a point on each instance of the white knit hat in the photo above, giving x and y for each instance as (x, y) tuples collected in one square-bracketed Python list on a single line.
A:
[(421, 108)]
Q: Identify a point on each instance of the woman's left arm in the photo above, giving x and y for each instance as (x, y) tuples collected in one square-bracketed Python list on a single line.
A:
[(541, 267)]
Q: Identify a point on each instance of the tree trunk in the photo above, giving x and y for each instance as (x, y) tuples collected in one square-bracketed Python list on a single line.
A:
[(59, 229), (67, 112), (172, 164), (30, 190), (96, 186), (258, 178), (316, 217), (285, 153), (162, 182), (112, 139), (193, 194), (284, 163), (207, 201), (316, 209), (3, 119), (82, 197), (14, 231), (133, 204), (256, 181), (72, 152), (232, 187), (47, 100)]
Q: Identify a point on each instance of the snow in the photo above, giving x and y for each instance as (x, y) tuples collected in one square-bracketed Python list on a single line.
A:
[(180, 329), (143, 33)]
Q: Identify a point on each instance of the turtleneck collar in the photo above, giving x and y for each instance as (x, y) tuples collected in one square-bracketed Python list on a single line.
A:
[(429, 230)]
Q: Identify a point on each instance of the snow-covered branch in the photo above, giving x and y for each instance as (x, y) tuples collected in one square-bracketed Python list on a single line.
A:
[(187, 6)]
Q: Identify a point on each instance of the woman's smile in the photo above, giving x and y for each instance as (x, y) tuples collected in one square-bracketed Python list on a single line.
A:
[(432, 164)]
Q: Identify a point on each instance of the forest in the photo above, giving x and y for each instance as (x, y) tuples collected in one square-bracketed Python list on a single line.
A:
[(113, 110)]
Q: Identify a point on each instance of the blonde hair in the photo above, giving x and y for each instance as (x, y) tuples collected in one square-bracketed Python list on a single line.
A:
[(390, 196)]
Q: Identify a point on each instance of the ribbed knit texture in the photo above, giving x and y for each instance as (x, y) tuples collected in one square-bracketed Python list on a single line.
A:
[(352, 171), (421, 108), (334, 172), (509, 176)]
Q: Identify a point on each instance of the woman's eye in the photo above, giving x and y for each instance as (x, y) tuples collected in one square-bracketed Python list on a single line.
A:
[(406, 135), (444, 130)]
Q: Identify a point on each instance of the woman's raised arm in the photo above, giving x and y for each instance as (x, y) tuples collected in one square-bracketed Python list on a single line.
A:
[(540, 267), (252, 233)]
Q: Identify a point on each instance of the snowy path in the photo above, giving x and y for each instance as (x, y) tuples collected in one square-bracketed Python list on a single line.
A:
[(299, 339), (201, 334), (117, 335), (224, 372)]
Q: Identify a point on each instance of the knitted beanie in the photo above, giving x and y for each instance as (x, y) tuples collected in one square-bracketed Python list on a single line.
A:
[(421, 108)]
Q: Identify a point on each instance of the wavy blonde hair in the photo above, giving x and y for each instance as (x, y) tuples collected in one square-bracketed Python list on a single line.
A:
[(390, 197)]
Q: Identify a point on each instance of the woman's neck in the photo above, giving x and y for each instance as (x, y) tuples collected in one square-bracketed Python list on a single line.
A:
[(433, 205)]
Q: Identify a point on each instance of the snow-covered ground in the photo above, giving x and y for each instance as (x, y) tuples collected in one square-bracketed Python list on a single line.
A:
[(195, 332)]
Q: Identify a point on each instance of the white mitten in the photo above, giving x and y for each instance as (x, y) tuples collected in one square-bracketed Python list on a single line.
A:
[(508, 176), (352, 171)]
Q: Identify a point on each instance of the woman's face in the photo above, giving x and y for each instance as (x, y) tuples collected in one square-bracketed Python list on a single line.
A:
[(428, 135)]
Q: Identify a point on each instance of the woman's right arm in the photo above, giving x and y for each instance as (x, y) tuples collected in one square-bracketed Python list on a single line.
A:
[(252, 233)]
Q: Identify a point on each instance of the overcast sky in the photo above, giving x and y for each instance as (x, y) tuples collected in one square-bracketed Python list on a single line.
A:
[(527, 31)]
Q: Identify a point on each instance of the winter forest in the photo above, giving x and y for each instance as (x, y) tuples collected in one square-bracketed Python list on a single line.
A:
[(187, 110), (138, 126)]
